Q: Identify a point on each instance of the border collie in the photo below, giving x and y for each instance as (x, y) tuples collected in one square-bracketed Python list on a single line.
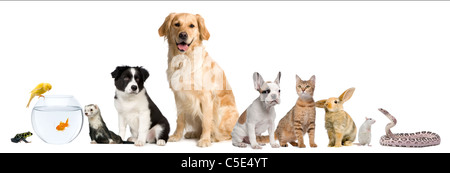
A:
[(136, 109)]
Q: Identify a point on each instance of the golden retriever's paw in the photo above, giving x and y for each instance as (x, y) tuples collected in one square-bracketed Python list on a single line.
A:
[(313, 145), (204, 143), (174, 138), (192, 135)]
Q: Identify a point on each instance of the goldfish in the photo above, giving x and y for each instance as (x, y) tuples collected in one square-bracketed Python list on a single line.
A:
[(62, 125), (39, 90)]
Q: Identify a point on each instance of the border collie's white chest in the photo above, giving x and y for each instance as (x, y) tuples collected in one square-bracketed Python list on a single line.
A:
[(131, 105)]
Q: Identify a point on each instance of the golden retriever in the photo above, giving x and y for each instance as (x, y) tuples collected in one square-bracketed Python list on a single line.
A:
[(205, 102)]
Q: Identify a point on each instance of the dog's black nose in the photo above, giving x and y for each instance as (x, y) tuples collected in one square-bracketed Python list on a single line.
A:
[(183, 35), (133, 87)]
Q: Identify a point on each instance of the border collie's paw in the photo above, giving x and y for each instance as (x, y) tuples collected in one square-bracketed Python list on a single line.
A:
[(161, 142)]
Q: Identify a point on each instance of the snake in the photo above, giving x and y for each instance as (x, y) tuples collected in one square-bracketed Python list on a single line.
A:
[(417, 139)]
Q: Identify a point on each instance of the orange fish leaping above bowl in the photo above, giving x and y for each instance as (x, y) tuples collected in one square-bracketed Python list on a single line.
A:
[(62, 126)]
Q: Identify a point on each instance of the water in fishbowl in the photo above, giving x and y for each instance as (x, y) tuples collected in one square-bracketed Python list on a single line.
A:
[(57, 124)]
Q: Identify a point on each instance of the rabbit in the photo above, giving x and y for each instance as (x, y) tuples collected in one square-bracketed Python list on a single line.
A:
[(340, 127)]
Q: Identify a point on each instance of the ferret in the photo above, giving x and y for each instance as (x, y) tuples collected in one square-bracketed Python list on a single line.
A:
[(98, 131), (364, 135)]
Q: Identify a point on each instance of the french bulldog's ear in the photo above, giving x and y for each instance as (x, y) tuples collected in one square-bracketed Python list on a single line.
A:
[(258, 81), (118, 71), (277, 80), (144, 73)]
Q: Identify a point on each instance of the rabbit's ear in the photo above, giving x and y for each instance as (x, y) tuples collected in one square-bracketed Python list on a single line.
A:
[(258, 81), (346, 95), (321, 103)]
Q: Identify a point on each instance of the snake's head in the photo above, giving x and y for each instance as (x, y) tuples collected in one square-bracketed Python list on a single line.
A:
[(383, 111)]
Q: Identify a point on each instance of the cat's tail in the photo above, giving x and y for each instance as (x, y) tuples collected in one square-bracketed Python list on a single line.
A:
[(265, 139)]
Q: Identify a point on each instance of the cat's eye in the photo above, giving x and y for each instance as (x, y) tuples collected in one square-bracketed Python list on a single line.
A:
[(177, 24), (307, 86), (192, 25)]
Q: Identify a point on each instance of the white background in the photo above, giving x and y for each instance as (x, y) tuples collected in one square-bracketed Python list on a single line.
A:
[(394, 53)]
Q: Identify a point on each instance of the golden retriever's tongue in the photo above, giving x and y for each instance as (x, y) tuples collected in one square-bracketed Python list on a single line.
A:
[(183, 47)]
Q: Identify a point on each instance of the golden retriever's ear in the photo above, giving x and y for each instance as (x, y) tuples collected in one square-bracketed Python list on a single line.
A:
[(164, 29), (204, 34)]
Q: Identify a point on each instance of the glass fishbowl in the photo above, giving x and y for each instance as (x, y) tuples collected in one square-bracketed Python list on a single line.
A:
[(57, 119)]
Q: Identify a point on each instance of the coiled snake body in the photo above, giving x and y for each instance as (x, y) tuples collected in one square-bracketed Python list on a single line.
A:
[(418, 139)]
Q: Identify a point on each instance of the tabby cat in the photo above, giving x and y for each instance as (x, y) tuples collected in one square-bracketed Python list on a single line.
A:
[(301, 118)]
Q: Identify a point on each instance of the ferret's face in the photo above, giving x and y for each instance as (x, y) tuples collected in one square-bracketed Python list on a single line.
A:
[(90, 110)]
